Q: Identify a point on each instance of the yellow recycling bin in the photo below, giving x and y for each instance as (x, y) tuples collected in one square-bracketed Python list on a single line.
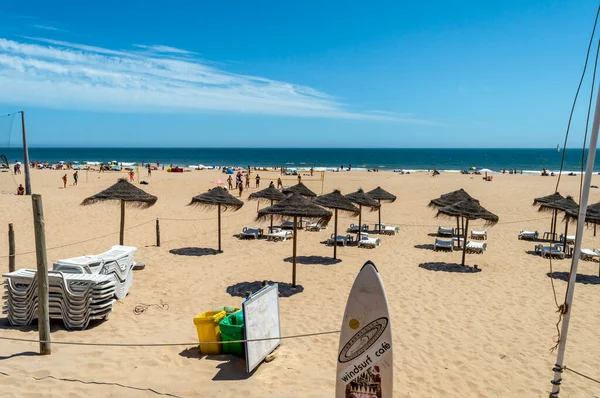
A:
[(207, 326)]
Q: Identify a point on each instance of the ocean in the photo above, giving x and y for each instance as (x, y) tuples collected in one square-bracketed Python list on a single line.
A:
[(418, 159)]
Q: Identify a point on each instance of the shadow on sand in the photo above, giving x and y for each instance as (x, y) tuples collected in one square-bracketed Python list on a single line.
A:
[(194, 251), (450, 267), (313, 260), (580, 278), (230, 368), (424, 247), (242, 289)]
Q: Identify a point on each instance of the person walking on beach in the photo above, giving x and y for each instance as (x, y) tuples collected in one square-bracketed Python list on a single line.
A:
[(257, 181), (248, 181), (75, 176), (299, 178), (149, 170), (131, 174), (64, 181), (241, 187), (311, 171), (230, 182), (279, 183)]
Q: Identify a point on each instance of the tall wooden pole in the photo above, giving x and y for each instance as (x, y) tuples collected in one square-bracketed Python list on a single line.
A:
[(11, 248), (294, 253), (122, 230), (359, 221), (379, 200), (566, 229), (25, 157), (219, 211), (335, 236), (157, 233), (464, 241), (271, 229), (555, 218), (42, 275), (458, 231)]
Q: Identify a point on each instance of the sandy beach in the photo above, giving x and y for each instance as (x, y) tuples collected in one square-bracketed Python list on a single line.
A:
[(484, 334)]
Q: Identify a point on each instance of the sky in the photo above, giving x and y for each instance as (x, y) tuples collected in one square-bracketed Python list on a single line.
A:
[(294, 74)]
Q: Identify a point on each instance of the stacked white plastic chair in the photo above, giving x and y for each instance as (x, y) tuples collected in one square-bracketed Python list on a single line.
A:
[(117, 263), (76, 299)]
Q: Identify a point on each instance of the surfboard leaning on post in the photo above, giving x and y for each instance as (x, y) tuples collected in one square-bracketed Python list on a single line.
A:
[(365, 354)]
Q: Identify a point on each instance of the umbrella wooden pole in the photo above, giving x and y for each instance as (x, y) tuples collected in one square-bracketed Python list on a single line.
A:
[(379, 200), (219, 210), (462, 224), (359, 221), (595, 229), (457, 230), (464, 241), (566, 229), (271, 229), (554, 229), (294, 253), (122, 230), (335, 236)]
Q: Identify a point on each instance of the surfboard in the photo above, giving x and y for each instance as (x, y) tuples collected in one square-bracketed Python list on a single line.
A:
[(365, 354)]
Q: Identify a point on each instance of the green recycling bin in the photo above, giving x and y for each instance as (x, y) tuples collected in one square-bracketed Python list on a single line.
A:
[(232, 329)]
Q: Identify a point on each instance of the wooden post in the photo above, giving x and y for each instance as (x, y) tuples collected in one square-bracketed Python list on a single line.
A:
[(122, 230), (219, 211), (157, 233), (11, 248), (464, 241), (294, 255), (335, 236), (42, 275), (457, 231)]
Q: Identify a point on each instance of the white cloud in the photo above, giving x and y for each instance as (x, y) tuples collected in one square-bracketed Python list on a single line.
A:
[(67, 75), (47, 27), (164, 49)]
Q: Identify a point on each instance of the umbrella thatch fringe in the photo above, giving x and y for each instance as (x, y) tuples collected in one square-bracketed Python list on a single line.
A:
[(382, 195), (470, 209), (128, 203), (488, 223), (282, 217), (361, 198), (564, 204), (124, 191), (547, 199), (214, 206), (214, 197)]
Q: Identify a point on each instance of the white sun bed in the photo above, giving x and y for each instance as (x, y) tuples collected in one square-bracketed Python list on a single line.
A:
[(443, 231), (590, 255), (479, 235), (476, 247), (254, 233), (344, 240), (368, 243), (441, 244), (279, 236), (387, 229), (354, 228), (528, 235), (550, 251), (570, 239), (314, 227), (288, 225)]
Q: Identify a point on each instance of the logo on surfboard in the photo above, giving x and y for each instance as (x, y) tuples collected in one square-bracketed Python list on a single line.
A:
[(363, 340)]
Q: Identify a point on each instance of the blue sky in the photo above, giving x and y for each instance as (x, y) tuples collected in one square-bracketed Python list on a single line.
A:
[(294, 74)]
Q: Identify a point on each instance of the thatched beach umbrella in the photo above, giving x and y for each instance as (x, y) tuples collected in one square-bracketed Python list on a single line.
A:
[(295, 206), (562, 205), (451, 198), (271, 194), (550, 199), (470, 209), (336, 201), (362, 199), (381, 195), (126, 193), (219, 197), (301, 189)]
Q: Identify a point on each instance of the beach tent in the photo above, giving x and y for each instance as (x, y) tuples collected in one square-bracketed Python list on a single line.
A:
[(271, 194), (361, 199), (221, 199), (470, 209), (380, 195), (127, 194), (295, 206), (562, 205), (229, 171), (336, 201)]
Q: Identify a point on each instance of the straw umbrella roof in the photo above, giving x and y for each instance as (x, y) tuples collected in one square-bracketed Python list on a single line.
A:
[(382, 195), (295, 206), (470, 209), (270, 193), (217, 196), (592, 214), (301, 189), (123, 191), (563, 204), (335, 200), (548, 199), (361, 198), (450, 198)]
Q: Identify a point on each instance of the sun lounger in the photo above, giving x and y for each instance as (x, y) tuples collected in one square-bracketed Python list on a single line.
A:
[(590, 255), (570, 239), (279, 236), (368, 243), (314, 227), (288, 225), (254, 233), (476, 247), (442, 231), (550, 251), (387, 229), (344, 240), (441, 244), (528, 235), (479, 235), (354, 228)]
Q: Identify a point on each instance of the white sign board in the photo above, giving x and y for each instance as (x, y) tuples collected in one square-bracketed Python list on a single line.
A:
[(261, 321)]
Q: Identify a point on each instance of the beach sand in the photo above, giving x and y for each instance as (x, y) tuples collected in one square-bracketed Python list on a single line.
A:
[(485, 334)]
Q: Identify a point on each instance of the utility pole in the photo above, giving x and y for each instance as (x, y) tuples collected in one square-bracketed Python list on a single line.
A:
[(25, 156)]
